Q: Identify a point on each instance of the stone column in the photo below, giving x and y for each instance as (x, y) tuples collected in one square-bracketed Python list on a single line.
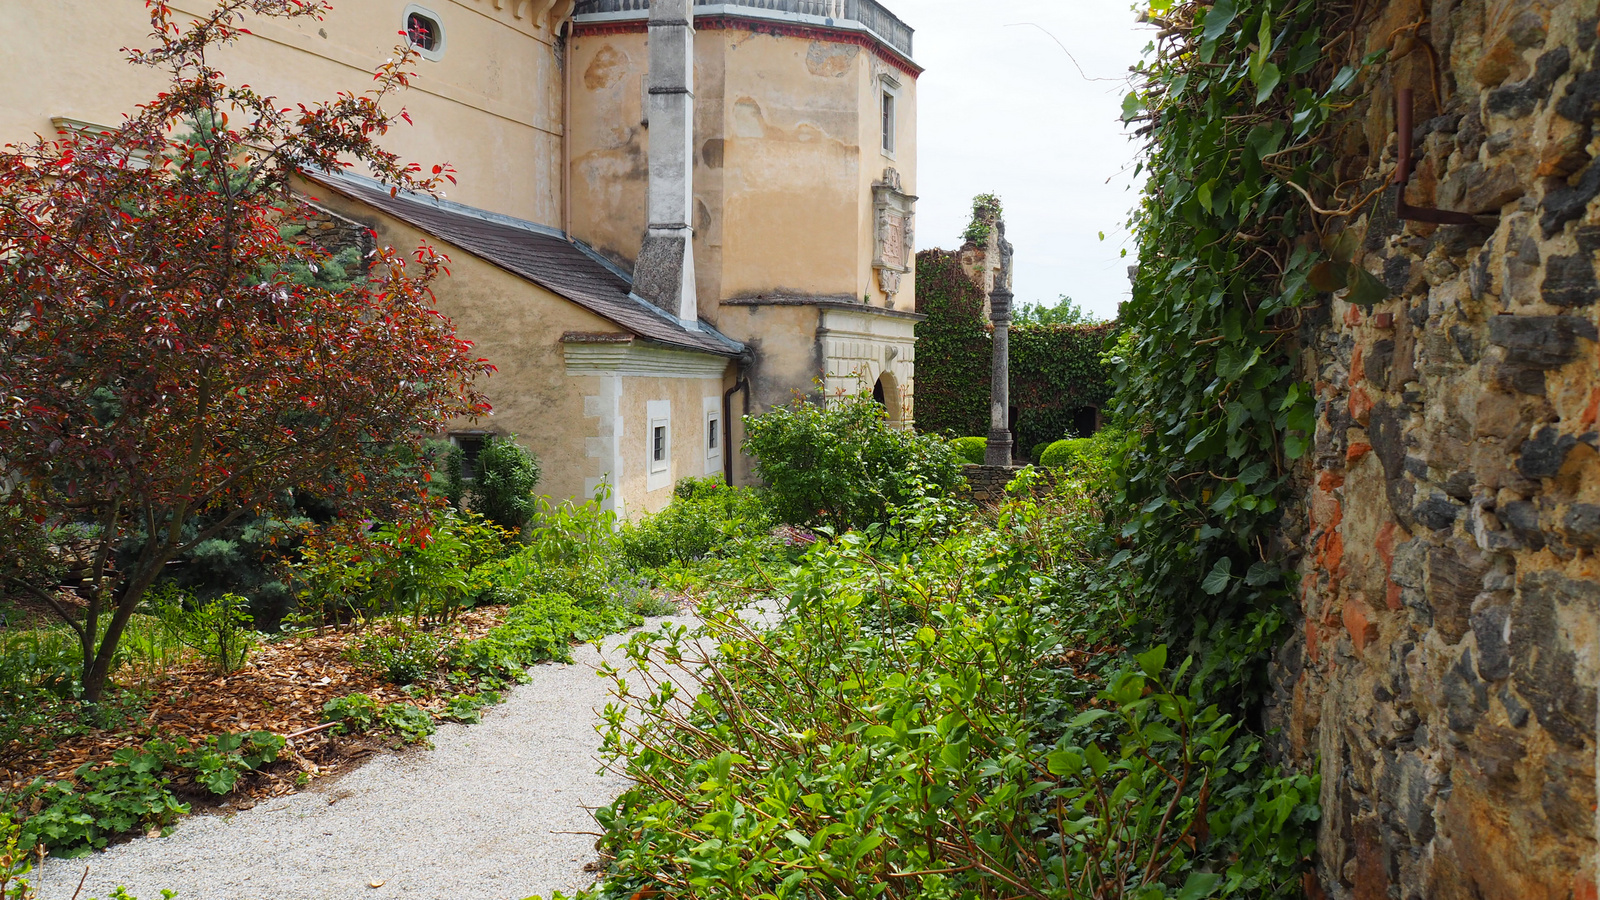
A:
[(999, 452), (664, 274)]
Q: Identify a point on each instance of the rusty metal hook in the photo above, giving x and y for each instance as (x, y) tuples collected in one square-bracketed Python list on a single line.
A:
[(1402, 173)]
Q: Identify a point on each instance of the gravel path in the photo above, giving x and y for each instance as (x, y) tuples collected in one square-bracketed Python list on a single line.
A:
[(488, 814)]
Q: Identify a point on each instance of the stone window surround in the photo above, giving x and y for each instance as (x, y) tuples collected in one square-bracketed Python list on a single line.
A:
[(659, 470), (714, 436), (437, 53), (890, 95)]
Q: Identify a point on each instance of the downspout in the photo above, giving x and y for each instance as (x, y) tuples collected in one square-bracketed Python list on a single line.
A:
[(742, 384), (566, 131)]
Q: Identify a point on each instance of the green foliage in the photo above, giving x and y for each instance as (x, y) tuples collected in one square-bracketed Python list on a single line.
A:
[(540, 629), (1057, 370), (1065, 311), (954, 353), (407, 720), (705, 517), (220, 629), (503, 490), (1093, 458), (428, 574), (1239, 104), (986, 211), (72, 819), (220, 760), (971, 449), (468, 708), (404, 654), (912, 727), (843, 465), (1057, 373), (353, 713)]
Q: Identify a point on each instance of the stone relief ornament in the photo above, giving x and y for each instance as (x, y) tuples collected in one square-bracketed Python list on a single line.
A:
[(895, 245)]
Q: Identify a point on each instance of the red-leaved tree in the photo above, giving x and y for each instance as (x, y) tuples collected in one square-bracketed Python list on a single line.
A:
[(160, 375)]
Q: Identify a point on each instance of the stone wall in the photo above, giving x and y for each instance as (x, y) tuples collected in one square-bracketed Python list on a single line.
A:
[(1443, 676), (987, 484)]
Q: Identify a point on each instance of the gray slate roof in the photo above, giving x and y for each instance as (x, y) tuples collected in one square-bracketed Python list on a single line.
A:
[(541, 255)]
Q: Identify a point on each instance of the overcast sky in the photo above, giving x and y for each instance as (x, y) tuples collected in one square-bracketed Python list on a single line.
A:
[(1002, 109)]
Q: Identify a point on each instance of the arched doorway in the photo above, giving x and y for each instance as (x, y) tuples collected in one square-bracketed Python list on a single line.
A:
[(887, 392)]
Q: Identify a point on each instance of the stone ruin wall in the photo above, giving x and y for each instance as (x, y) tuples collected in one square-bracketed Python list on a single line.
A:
[(1444, 673)]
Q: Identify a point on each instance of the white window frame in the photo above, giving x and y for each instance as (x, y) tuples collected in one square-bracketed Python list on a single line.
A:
[(437, 53), (714, 425), (889, 101), (658, 471)]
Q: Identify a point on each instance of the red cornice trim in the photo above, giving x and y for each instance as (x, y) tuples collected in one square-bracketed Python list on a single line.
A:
[(758, 26)]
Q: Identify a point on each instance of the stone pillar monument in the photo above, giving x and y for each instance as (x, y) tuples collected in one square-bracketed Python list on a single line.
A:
[(999, 452), (664, 274)]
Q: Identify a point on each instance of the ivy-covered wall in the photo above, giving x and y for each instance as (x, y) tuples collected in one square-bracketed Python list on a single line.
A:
[(953, 348), (1056, 370)]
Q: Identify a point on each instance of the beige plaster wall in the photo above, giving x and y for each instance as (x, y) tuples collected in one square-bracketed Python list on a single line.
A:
[(499, 82), (687, 458), (787, 149)]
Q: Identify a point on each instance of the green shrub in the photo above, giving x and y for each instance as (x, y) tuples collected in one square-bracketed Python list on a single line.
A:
[(354, 713), (503, 490), (843, 465), (219, 761), (1037, 453), (971, 449), (220, 629), (1064, 453), (405, 655), (915, 711), (704, 517)]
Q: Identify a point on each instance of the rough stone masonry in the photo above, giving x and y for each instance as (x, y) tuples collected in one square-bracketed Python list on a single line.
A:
[(1443, 677)]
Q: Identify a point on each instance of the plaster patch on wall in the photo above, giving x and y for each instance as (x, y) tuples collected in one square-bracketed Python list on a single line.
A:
[(829, 60), (608, 67)]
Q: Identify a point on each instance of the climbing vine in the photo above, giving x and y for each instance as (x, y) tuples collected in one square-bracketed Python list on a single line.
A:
[(1056, 370), (953, 348), (1235, 101), (986, 210)]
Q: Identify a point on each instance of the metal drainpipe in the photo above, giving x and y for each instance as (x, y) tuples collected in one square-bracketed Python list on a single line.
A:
[(742, 384)]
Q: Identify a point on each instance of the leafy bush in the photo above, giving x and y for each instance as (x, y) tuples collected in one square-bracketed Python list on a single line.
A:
[(1064, 453), (843, 465), (920, 717), (404, 655), (705, 516), (971, 449), (220, 760), (354, 712), (220, 630), (503, 490)]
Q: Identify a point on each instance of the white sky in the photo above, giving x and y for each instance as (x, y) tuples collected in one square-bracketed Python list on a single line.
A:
[(1003, 110)]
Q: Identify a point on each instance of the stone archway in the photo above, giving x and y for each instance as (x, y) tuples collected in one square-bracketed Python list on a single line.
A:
[(887, 392)]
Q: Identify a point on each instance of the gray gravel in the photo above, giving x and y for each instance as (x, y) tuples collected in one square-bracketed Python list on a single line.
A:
[(496, 811)]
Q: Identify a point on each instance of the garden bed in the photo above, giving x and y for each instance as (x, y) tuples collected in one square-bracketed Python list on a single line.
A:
[(282, 689)]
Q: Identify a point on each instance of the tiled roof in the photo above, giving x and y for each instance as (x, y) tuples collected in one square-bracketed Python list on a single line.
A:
[(542, 256)]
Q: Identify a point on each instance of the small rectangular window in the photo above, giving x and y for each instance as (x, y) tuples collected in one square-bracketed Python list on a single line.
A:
[(888, 122), (713, 435), (470, 446), (658, 444)]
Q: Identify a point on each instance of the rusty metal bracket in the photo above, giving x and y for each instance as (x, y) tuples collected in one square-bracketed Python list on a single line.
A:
[(1402, 173)]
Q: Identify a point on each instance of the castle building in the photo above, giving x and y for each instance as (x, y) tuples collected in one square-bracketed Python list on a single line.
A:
[(669, 214)]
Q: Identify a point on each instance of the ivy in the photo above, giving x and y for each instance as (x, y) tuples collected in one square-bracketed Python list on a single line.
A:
[(986, 210), (1235, 99), (1056, 370), (953, 348)]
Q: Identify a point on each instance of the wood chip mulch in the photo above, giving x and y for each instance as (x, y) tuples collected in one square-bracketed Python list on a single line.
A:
[(281, 689)]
